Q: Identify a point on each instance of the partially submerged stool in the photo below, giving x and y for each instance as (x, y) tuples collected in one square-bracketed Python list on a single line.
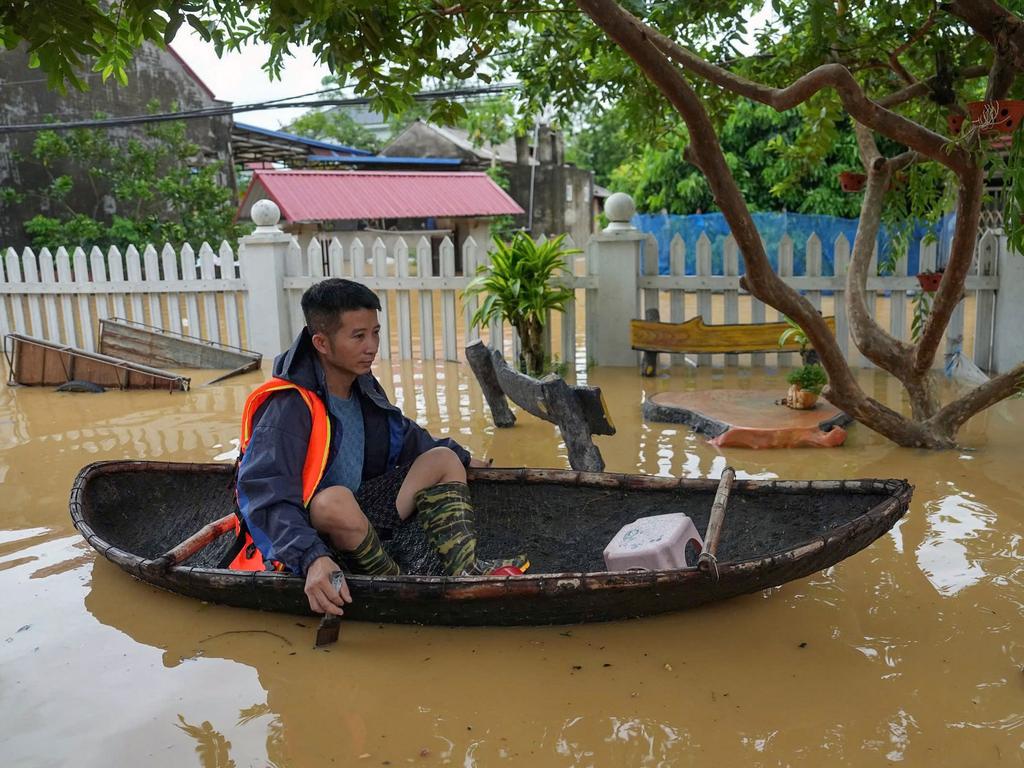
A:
[(653, 543)]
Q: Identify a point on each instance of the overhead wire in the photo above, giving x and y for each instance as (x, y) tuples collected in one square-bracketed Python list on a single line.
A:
[(231, 109)]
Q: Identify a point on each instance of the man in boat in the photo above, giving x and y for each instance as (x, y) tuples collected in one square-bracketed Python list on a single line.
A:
[(328, 465)]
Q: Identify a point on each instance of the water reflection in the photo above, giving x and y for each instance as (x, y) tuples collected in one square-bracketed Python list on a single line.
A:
[(944, 555), (887, 656)]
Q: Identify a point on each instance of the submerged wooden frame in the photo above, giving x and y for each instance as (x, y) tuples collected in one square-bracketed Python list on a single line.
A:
[(38, 363), (578, 412)]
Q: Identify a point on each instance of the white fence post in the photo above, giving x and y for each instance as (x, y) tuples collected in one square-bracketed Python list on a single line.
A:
[(263, 263), (616, 264)]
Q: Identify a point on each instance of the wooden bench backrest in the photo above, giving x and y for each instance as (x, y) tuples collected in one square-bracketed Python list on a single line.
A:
[(695, 336)]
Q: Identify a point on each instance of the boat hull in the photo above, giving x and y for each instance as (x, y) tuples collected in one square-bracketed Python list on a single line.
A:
[(103, 498)]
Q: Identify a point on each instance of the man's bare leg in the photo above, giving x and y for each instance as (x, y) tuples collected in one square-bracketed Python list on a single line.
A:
[(436, 466), (335, 512)]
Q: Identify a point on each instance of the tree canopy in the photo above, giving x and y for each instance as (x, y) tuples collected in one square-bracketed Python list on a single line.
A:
[(890, 72)]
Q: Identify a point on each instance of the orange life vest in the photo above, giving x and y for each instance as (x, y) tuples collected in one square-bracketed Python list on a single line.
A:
[(249, 558)]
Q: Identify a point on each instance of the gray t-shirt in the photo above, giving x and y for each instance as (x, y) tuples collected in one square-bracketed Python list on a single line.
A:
[(347, 467)]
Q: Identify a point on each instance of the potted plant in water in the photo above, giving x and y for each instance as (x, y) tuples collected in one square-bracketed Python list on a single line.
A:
[(806, 383), (518, 289)]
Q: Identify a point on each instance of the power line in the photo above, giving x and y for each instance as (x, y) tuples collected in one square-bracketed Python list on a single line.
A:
[(231, 109)]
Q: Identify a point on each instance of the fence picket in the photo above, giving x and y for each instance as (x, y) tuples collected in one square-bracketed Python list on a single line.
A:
[(358, 251), (115, 270), (134, 262), (315, 259), (336, 258), (170, 262), (469, 303), (67, 308), (47, 276), (228, 272), (985, 302), (30, 274), (208, 273), (929, 260), (100, 277), (188, 274), (731, 268), (569, 316), (703, 295), (81, 277), (785, 270), (380, 269), (449, 318), (677, 298), (898, 302), (151, 265), (424, 269), (15, 276), (404, 311), (842, 262)]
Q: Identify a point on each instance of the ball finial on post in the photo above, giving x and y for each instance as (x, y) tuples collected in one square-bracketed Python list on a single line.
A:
[(265, 215), (619, 208)]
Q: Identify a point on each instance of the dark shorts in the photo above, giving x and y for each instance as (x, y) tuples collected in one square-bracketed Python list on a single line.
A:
[(377, 497)]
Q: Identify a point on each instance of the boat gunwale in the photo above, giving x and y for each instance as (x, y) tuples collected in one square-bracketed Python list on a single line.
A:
[(470, 587)]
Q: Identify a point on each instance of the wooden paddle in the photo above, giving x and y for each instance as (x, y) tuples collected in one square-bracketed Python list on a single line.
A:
[(708, 557), (204, 536)]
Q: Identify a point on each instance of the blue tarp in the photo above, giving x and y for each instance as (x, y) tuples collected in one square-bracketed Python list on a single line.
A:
[(772, 227)]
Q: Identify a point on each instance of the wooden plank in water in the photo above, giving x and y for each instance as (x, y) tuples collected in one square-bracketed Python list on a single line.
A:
[(695, 336), (39, 363), (140, 343)]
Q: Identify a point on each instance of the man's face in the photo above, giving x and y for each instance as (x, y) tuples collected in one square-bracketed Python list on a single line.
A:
[(352, 348)]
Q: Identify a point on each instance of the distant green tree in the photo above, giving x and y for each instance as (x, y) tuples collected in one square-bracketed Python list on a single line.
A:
[(335, 125), (162, 187)]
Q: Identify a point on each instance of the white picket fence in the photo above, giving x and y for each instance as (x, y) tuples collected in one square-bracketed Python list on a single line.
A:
[(60, 296), (888, 296)]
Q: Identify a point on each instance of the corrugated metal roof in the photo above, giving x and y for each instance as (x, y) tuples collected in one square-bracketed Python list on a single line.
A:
[(354, 195)]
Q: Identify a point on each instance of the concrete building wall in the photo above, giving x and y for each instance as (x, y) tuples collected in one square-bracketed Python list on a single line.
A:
[(153, 74)]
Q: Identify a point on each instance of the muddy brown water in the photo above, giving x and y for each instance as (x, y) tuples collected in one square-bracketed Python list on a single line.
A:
[(909, 652)]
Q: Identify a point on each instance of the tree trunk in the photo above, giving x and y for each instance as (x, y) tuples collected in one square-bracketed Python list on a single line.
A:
[(931, 425)]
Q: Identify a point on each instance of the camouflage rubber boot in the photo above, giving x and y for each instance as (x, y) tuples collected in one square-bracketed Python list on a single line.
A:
[(370, 557), (446, 515)]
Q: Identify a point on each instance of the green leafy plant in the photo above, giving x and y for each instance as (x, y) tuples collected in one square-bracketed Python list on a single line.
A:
[(922, 305), (794, 333), (519, 290), (811, 378)]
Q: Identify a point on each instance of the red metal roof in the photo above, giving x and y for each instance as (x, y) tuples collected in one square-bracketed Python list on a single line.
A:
[(348, 195)]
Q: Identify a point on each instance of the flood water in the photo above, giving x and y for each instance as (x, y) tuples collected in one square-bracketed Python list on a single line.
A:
[(909, 652)]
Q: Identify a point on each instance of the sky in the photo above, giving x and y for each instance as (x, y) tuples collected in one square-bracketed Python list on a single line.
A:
[(238, 78)]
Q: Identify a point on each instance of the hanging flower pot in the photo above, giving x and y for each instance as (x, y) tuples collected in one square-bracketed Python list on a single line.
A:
[(929, 281), (852, 182), (997, 116)]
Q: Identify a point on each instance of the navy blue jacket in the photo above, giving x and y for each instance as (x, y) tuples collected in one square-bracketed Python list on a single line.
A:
[(270, 473)]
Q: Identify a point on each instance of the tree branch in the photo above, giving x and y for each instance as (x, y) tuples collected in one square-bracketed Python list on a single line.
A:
[(1003, 29), (961, 256), (950, 418), (760, 279), (878, 346), (924, 87), (836, 76)]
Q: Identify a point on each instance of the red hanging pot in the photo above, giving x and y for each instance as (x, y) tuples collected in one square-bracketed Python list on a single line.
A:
[(852, 182), (1008, 114), (929, 281)]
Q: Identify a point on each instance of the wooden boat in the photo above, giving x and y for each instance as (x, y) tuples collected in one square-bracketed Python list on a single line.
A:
[(166, 524)]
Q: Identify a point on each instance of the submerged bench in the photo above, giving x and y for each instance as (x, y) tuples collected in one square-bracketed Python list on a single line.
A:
[(578, 412), (651, 337)]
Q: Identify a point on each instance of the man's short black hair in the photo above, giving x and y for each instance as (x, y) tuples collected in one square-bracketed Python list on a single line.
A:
[(323, 303)]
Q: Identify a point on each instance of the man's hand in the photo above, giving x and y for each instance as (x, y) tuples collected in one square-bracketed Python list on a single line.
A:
[(322, 596), (474, 462)]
